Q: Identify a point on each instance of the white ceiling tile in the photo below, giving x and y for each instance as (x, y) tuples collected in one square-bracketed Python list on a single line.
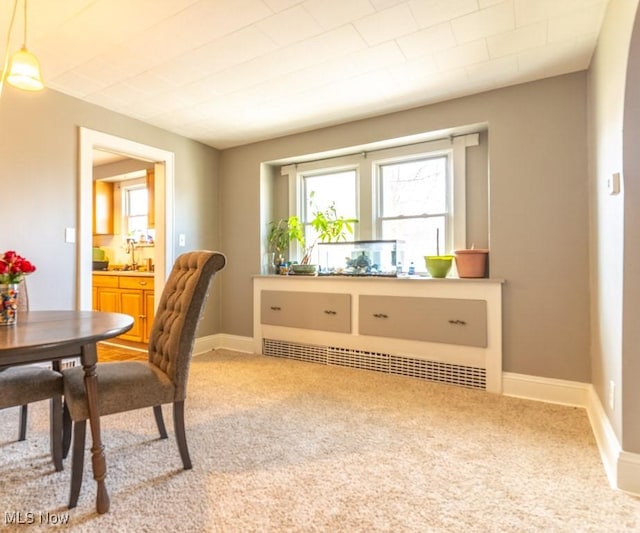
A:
[(388, 24), (379, 5), (518, 40), (528, 12), (431, 12), (586, 21), (281, 5), (290, 26), (488, 3), (333, 13), (493, 72), (463, 55), (491, 21), (223, 53), (427, 41)]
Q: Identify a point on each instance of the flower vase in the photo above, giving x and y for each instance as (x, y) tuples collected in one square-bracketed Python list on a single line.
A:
[(8, 304)]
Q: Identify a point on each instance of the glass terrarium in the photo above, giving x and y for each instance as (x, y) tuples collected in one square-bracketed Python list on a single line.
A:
[(360, 258)]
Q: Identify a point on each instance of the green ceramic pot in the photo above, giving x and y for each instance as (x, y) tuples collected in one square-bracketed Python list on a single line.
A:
[(438, 265)]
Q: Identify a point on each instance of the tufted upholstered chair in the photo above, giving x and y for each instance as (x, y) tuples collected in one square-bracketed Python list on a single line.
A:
[(128, 385), (22, 385)]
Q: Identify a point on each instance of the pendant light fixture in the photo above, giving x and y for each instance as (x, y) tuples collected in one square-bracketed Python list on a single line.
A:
[(23, 70)]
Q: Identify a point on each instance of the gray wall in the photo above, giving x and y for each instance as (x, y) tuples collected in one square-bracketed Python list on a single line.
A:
[(537, 224), (39, 179)]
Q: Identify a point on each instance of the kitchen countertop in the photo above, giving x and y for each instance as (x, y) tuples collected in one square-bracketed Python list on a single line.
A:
[(144, 273)]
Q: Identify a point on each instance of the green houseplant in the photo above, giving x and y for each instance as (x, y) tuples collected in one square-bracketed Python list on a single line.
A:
[(328, 225)]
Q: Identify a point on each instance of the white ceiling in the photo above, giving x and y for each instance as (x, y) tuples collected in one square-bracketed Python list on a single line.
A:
[(230, 72)]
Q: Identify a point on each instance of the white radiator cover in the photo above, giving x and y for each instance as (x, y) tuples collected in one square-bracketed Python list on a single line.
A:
[(477, 367)]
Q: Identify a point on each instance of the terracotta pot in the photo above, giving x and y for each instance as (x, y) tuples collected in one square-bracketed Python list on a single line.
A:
[(471, 263)]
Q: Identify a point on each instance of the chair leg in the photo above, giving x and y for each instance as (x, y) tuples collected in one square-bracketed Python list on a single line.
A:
[(77, 461), (66, 430), (55, 430), (157, 412), (22, 434), (181, 437)]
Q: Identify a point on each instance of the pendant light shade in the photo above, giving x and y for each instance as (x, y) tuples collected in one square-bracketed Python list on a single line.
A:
[(24, 71)]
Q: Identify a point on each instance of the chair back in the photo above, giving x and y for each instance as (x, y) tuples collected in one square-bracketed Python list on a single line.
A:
[(179, 310), (23, 297)]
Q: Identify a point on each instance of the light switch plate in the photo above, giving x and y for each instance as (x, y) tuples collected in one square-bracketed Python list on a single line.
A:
[(182, 240), (70, 235), (613, 183)]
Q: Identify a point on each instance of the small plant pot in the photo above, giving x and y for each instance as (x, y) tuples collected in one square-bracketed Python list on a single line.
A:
[(471, 263), (438, 266)]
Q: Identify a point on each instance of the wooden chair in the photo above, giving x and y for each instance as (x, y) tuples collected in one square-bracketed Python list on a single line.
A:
[(22, 385), (129, 385)]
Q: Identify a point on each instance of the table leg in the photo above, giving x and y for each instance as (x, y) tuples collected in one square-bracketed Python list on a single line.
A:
[(98, 460)]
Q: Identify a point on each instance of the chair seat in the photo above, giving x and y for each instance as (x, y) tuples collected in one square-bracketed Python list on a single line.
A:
[(122, 386), (20, 385)]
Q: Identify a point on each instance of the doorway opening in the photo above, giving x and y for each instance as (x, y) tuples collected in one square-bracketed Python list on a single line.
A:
[(163, 162)]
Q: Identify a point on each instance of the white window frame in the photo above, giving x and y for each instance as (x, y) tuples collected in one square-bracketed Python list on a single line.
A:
[(367, 196)]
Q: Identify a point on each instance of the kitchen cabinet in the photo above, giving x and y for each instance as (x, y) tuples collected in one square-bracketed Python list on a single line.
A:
[(444, 330), (102, 208), (151, 194), (129, 294)]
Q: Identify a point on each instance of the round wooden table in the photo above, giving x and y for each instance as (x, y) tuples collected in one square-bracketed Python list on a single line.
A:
[(41, 336)]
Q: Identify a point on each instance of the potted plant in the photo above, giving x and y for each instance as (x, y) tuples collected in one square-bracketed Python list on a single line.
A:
[(278, 239), (329, 227), (438, 265)]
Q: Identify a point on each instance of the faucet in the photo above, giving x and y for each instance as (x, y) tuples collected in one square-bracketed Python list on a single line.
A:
[(131, 249)]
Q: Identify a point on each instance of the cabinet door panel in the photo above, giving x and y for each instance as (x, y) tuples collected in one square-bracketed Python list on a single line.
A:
[(307, 310), (149, 313), (445, 320), (136, 282), (108, 300), (131, 303)]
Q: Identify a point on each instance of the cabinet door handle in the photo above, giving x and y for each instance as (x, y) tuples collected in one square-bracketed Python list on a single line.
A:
[(458, 322), (380, 315), (142, 282), (275, 308), (142, 316), (330, 312)]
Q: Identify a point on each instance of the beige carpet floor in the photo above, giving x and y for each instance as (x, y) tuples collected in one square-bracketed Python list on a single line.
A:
[(281, 445)]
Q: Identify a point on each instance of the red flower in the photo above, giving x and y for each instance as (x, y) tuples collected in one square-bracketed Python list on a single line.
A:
[(14, 267)]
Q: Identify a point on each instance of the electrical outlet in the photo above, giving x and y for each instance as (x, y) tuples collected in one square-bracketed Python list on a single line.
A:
[(612, 395)]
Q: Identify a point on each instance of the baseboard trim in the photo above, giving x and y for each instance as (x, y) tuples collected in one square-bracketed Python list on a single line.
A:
[(221, 340), (546, 389)]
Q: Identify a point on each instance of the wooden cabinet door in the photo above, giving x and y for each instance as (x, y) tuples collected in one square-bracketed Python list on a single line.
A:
[(151, 198), (102, 208), (149, 312), (132, 303), (108, 299)]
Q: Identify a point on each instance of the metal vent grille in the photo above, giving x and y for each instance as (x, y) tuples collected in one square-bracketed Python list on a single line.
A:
[(463, 376)]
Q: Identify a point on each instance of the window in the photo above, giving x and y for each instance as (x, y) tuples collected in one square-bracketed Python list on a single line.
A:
[(321, 191), (135, 201), (414, 205), (414, 193)]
